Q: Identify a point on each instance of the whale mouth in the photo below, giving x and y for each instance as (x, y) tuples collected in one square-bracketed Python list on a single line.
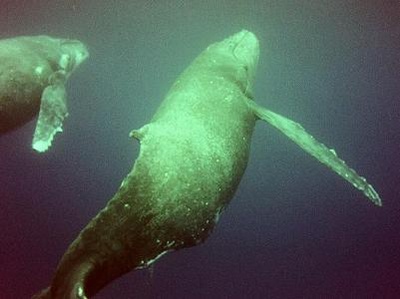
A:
[(247, 49)]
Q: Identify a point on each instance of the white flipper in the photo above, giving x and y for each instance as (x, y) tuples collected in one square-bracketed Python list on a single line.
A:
[(318, 150), (53, 110)]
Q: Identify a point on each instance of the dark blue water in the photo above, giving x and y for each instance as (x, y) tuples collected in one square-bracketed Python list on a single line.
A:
[(294, 229)]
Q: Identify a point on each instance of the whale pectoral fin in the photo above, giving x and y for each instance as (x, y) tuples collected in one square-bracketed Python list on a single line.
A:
[(53, 110), (318, 150)]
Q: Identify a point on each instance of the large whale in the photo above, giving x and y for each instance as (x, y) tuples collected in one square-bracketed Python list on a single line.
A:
[(33, 73), (193, 154)]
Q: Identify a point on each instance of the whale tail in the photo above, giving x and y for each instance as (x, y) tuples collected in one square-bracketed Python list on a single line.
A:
[(46, 294), (43, 294)]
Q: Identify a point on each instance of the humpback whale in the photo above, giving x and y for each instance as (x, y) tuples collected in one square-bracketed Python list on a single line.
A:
[(193, 153), (33, 73)]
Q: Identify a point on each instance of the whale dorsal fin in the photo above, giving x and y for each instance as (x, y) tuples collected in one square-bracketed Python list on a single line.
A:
[(316, 149)]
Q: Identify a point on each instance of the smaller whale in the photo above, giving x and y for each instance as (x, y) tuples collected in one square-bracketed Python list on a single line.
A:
[(33, 73)]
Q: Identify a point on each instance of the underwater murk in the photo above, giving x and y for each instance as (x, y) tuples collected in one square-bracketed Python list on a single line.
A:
[(190, 156)]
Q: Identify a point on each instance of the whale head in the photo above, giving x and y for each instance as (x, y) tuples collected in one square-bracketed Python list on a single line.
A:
[(60, 53), (73, 54), (246, 49), (237, 57)]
